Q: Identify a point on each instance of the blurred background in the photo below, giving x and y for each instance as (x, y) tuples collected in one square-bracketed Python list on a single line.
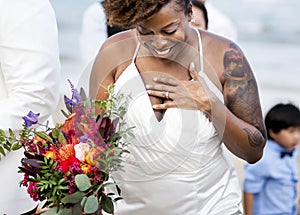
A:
[(268, 33)]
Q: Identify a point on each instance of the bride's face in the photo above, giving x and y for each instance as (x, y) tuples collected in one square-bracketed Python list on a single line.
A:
[(166, 32)]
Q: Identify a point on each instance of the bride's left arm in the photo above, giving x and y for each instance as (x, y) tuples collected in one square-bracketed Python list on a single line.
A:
[(244, 130)]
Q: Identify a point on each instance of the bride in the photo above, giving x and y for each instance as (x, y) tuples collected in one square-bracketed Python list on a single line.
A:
[(191, 91)]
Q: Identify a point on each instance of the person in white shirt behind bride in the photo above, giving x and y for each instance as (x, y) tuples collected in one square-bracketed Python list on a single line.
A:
[(219, 23), (29, 81)]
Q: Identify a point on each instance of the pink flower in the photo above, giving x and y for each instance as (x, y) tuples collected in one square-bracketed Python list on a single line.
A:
[(33, 191)]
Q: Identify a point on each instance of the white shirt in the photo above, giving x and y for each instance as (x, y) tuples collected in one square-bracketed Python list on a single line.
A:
[(93, 32), (219, 23), (29, 80)]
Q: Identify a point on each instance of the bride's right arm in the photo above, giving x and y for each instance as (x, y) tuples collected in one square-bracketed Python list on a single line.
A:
[(102, 75), (110, 62)]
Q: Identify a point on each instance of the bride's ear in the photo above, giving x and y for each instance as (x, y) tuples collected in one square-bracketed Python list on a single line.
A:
[(190, 12)]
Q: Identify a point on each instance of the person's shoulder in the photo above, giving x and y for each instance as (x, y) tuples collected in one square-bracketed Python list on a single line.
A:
[(215, 47), (118, 49), (125, 40), (215, 40)]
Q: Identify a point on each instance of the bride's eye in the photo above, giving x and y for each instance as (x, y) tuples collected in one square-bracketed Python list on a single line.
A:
[(171, 31)]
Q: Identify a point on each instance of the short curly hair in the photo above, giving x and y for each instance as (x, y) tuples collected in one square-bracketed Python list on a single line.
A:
[(128, 13)]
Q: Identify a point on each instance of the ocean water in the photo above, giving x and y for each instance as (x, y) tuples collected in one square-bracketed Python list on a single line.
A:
[(268, 33)]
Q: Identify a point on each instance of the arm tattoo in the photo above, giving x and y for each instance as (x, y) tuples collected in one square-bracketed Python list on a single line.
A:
[(241, 93), (255, 139)]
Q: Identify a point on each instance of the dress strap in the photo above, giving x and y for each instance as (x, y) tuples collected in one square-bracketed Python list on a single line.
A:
[(201, 73), (136, 52), (200, 50)]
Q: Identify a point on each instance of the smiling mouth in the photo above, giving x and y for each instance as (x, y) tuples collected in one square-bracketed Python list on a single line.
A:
[(164, 52)]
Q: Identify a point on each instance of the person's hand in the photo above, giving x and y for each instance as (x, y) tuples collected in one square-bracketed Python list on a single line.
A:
[(193, 94)]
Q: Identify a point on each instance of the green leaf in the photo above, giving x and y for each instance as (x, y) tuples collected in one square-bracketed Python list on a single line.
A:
[(2, 133), (61, 138), (107, 204), (44, 136), (118, 190), (82, 182), (77, 209), (51, 211), (61, 211), (91, 205), (83, 201), (16, 146), (55, 133), (2, 151), (11, 133), (117, 199), (65, 211), (74, 198)]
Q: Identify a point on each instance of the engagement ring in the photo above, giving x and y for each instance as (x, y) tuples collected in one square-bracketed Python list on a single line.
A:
[(167, 94)]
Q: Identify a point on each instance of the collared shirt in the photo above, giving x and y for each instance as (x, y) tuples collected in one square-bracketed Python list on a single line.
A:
[(273, 181)]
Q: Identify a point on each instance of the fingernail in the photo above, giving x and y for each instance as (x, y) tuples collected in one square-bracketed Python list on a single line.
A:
[(155, 79), (149, 91), (147, 86)]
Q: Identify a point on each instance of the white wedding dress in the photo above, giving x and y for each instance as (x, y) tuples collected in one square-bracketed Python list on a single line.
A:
[(176, 165)]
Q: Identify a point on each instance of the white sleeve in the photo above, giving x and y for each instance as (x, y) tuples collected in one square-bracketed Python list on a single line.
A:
[(29, 61), (93, 32)]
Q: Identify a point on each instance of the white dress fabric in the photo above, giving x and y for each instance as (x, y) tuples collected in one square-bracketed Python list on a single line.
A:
[(176, 165), (29, 80)]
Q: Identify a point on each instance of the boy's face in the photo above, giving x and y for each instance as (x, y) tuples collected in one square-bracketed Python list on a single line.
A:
[(287, 138)]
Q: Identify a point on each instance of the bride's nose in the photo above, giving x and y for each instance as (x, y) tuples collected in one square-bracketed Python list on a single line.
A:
[(159, 42)]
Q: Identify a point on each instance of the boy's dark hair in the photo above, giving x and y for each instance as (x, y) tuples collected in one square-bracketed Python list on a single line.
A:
[(282, 116)]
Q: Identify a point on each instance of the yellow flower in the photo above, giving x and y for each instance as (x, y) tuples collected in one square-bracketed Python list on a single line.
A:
[(85, 167), (50, 154), (38, 139), (90, 157)]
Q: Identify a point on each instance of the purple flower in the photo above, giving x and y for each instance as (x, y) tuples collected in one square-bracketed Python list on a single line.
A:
[(75, 96), (30, 119), (74, 100)]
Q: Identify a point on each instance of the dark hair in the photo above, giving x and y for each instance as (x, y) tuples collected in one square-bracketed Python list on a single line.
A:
[(128, 13), (282, 116), (202, 7)]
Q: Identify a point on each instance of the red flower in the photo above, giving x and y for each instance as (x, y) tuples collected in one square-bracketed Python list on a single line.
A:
[(72, 138), (68, 162)]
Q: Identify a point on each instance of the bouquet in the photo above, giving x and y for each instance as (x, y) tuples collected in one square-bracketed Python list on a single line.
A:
[(68, 166)]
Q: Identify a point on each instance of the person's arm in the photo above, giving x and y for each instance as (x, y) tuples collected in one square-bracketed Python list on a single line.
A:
[(114, 56), (248, 203), (244, 132), (29, 61)]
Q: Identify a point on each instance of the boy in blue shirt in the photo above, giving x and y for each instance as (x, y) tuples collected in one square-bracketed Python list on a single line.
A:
[(270, 184)]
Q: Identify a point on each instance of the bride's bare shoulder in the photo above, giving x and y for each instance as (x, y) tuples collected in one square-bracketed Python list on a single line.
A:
[(121, 44)]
